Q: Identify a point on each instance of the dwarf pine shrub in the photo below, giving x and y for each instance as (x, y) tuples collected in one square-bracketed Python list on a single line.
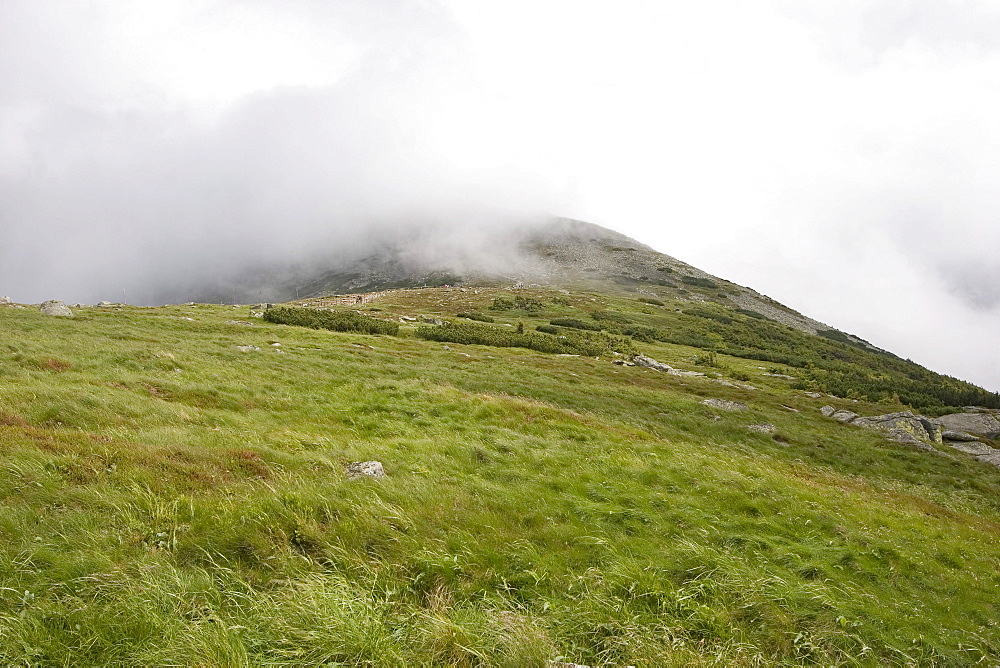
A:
[(337, 321), (573, 343)]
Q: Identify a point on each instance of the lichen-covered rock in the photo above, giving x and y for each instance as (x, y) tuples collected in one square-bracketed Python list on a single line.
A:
[(983, 424), (976, 448), (902, 426), (950, 435), (844, 416), (55, 307), (828, 411), (990, 458), (724, 405), (372, 469), (763, 428), (650, 363)]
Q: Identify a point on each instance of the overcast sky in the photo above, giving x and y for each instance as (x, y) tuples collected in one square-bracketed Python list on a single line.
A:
[(842, 157)]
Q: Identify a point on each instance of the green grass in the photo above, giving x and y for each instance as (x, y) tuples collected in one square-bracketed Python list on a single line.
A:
[(170, 500)]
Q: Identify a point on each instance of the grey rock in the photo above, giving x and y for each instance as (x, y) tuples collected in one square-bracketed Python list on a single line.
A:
[(904, 422), (372, 469), (844, 416), (828, 411), (814, 395), (103, 303), (722, 404), (763, 428), (55, 307), (991, 458), (650, 363), (780, 375), (5, 300), (247, 349), (950, 435), (974, 448), (982, 424)]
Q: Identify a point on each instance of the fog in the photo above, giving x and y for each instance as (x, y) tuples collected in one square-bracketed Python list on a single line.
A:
[(104, 192), (839, 157)]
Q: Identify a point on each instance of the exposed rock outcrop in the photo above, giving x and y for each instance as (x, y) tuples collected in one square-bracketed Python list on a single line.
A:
[(372, 469), (650, 363), (55, 307), (722, 404), (982, 424), (902, 427)]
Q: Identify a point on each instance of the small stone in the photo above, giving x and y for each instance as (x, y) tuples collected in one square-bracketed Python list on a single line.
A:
[(814, 395), (372, 469), (275, 345), (763, 428), (247, 349)]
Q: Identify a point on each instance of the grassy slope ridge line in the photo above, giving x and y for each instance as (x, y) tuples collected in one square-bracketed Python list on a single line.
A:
[(168, 499), (337, 321)]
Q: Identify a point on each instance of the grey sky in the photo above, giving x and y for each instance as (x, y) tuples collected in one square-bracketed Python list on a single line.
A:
[(840, 157)]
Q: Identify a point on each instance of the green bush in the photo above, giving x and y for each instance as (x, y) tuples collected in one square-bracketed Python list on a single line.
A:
[(337, 321), (518, 303), (644, 334), (473, 315), (578, 343), (650, 300), (548, 329), (609, 316), (703, 312), (575, 324), (699, 281)]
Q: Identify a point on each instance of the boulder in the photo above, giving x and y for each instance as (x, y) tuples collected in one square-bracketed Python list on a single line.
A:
[(5, 300), (974, 448), (722, 404), (903, 426), (990, 458), (650, 363), (844, 416), (950, 435), (55, 307), (828, 411), (372, 469), (982, 424)]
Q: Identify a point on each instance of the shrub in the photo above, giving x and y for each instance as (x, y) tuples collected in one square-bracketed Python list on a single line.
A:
[(472, 315), (650, 300), (518, 303), (699, 281), (703, 312), (609, 316), (665, 269), (644, 334), (548, 329), (337, 321), (575, 324), (750, 314), (580, 343)]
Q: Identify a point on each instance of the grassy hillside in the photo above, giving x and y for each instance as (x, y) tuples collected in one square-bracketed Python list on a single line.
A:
[(169, 499)]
